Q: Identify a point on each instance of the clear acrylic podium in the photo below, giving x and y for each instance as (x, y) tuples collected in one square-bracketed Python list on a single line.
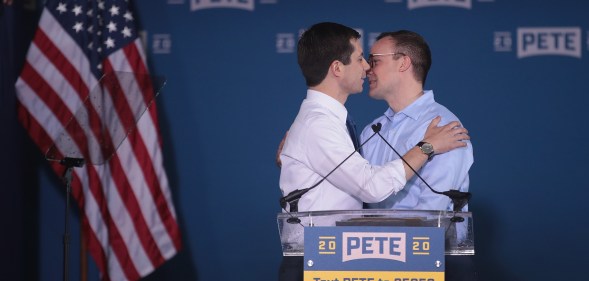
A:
[(459, 236)]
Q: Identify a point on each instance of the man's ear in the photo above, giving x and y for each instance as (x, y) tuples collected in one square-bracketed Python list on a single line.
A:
[(405, 64), (336, 67)]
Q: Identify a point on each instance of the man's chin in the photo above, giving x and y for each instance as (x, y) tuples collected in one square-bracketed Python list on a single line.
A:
[(374, 95)]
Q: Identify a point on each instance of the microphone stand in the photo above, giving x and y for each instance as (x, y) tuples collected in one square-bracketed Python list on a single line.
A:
[(69, 163), (293, 197), (459, 198)]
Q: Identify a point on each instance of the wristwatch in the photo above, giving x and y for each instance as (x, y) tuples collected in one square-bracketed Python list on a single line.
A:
[(427, 149)]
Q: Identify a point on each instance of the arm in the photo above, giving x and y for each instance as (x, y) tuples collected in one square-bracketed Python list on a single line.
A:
[(444, 172), (443, 139), (327, 144), (279, 150)]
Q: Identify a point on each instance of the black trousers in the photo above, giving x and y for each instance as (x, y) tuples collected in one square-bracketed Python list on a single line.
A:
[(291, 269), (458, 268)]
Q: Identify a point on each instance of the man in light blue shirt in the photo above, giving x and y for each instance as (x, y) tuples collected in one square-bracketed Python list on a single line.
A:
[(399, 63)]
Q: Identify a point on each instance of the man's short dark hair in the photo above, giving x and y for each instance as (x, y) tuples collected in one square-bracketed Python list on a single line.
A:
[(414, 46), (322, 44)]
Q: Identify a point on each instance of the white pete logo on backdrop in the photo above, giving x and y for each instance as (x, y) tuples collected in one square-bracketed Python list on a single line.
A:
[(285, 43), (541, 41), (537, 41), (209, 4), (416, 4), (161, 43), (502, 41)]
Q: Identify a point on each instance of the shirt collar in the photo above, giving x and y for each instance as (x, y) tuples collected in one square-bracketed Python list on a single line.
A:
[(334, 106), (415, 109)]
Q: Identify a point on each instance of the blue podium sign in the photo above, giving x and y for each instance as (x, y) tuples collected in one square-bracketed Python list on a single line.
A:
[(373, 253)]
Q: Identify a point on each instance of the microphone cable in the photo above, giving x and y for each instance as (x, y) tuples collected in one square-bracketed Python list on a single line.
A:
[(459, 198), (293, 197)]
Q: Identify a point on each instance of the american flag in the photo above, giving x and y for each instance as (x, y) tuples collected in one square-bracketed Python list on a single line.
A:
[(128, 215)]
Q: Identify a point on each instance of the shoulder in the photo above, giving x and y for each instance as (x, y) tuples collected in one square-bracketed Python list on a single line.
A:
[(319, 123), (435, 109)]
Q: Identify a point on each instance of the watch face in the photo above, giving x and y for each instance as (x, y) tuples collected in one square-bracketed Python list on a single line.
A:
[(427, 148)]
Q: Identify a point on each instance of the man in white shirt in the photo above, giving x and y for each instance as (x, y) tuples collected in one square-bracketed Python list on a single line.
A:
[(332, 61)]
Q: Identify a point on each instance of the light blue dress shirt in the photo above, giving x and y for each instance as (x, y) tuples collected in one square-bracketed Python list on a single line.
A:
[(403, 130)]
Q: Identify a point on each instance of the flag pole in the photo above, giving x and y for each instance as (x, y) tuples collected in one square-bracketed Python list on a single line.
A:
[(69, 163)]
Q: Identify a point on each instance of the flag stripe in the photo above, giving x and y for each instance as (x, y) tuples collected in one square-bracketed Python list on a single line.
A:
[(128, 210), (46, 104), (96, 188), (64, 42), (140, 156), (38, 134), (151, 129), (150, 174), (63, 65), (31, 109), (136, 59), (76, 86), (95, 247)]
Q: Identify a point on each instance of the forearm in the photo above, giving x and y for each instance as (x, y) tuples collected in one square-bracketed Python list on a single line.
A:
[(416, 159)]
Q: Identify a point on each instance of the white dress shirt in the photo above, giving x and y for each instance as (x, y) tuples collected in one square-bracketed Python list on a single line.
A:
[(317, 142)]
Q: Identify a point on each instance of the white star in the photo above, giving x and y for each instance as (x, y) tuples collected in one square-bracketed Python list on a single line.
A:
[(90, 45), (90, 29), (77, 10), (126, 32), (101, 5), (112, 27), (99, 66), (128, 16), (61, 8), (78, 27), (110, 43), (114, 10), (90, 13)]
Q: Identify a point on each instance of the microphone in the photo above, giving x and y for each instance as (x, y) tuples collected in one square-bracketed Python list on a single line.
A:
[(376, 128), (293, 197), (72, 162), (459, 198)]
